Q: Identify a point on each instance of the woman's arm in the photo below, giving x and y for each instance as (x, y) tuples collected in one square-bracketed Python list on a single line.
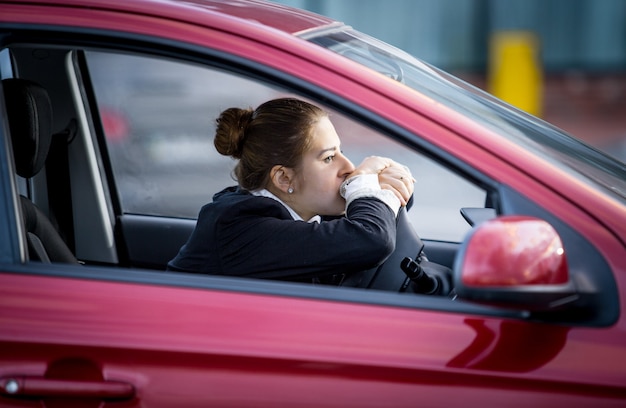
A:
[(254, 244)]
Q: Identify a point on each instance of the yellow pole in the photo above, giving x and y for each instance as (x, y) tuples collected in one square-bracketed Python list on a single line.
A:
[(515, 73)]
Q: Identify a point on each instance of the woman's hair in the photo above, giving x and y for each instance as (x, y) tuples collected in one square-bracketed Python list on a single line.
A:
[(278, 132)]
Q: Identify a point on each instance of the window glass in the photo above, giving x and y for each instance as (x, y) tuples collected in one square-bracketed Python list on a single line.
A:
[(158, 116), (597, 170)]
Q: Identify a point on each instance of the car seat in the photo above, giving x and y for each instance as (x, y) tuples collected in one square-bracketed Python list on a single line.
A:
[(30, 121)]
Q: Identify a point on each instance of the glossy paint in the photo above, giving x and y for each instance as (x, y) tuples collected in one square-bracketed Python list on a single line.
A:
[(180, 346), (176, 344), (513, 251)]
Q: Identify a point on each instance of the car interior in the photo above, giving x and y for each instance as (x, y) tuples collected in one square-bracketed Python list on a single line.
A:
[(31, 124)]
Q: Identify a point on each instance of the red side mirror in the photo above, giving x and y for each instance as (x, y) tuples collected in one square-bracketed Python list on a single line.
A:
[(514, 260), (512, 251)]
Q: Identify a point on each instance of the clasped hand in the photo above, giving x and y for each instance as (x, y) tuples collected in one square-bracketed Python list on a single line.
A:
[(392, 176)]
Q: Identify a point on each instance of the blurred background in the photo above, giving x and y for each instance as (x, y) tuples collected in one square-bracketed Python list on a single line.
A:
[(561, 60)]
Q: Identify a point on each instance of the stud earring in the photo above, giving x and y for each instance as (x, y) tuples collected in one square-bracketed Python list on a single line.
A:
[(290, 190)]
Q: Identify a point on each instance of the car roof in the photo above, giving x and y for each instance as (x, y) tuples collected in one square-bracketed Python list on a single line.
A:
[(280, 17)]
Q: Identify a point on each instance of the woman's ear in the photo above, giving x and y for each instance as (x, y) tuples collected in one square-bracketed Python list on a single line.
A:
[(282, 178)]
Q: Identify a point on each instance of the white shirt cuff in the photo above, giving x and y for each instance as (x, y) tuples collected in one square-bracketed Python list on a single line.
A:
[(366, 185)]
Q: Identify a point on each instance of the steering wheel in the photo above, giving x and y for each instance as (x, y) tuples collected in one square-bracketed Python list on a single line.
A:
[(391, 275)]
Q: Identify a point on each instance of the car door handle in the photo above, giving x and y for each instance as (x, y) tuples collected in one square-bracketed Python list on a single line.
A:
[(48, 387)]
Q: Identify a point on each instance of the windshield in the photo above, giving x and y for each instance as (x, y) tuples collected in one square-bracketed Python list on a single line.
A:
[(546, 141)]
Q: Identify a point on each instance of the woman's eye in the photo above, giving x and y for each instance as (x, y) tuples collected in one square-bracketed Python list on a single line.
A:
[(329, 159)]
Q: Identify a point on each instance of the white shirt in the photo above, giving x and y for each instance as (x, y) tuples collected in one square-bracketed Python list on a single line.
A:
[(294, 215)]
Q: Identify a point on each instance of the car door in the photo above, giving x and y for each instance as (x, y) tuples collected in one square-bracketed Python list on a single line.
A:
[(120, 329), (103, 332)]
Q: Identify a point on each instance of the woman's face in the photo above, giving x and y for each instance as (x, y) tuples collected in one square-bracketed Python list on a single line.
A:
[(323, 169)]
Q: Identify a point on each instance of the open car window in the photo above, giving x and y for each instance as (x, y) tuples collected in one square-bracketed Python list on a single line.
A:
[(159, 116)]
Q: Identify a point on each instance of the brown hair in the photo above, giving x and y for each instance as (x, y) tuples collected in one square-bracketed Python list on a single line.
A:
[(276, 133)]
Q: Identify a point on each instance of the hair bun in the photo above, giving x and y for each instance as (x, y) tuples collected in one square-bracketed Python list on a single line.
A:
[(231, 131)]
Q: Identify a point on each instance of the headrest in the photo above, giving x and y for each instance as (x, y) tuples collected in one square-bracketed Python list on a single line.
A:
[(30, 121)]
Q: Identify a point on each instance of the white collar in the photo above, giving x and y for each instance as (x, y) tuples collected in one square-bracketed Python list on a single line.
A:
[(294, 215)]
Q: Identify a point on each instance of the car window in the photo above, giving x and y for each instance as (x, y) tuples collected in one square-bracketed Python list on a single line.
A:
[(158, 117), (603, 173)]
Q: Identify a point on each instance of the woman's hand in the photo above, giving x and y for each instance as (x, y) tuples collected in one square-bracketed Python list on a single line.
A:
[(399, 180), (392, 176), (372, 165)]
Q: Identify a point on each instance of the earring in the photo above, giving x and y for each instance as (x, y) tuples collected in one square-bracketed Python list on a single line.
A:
[(290, 190)]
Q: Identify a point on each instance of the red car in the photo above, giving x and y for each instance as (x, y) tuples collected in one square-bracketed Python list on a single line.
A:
[(530, 221)]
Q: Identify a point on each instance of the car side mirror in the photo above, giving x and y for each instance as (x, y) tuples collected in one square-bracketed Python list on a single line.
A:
[(514, 261)]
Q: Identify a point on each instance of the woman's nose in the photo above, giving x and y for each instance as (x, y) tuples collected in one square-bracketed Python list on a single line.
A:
[(348, 166)]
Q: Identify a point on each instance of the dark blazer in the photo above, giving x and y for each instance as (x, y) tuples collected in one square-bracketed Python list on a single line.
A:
[(240, 234)]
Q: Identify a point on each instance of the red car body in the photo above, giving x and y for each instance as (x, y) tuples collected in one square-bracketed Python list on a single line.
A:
[(156, 344)]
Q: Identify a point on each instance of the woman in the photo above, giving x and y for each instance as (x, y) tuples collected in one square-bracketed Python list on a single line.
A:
[(301, 210)]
